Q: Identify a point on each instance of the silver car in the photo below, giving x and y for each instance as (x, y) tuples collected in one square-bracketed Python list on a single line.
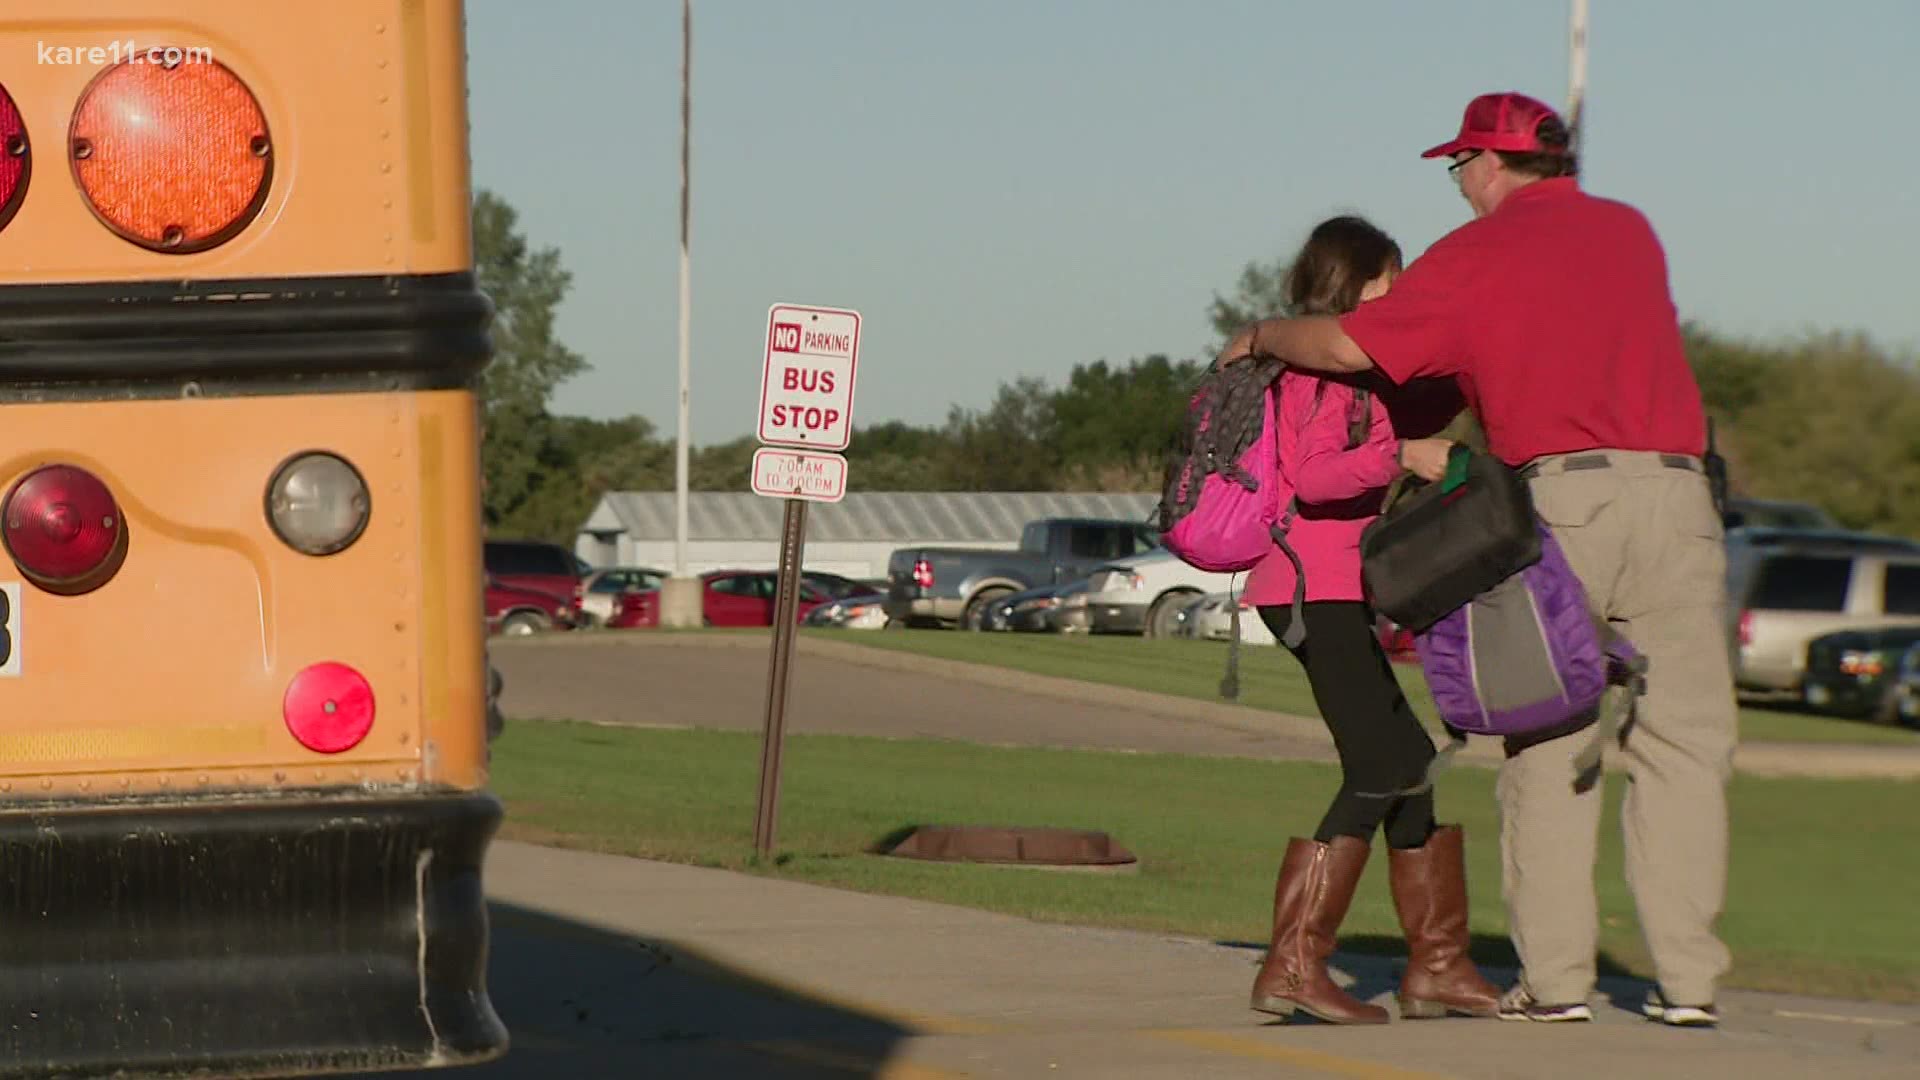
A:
[(1788, 587), (601, 590)]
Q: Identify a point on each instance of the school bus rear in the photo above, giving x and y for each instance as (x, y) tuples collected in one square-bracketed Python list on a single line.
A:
[(243, 812)]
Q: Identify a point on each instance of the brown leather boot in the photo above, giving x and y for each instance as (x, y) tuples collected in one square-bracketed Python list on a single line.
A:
[(1309, 901), (1430, 893)]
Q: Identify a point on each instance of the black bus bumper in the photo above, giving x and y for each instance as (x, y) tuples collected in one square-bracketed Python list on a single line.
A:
[(246, 938)]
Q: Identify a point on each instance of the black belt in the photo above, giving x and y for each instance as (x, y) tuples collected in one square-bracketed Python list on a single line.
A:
[(1583, 462)]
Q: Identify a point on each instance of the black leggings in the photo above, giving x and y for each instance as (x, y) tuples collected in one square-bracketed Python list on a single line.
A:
[(1382, 746)]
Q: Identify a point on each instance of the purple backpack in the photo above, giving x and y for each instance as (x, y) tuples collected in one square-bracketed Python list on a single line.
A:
[(1527, 660)]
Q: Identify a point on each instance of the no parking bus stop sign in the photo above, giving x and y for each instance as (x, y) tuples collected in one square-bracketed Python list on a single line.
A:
[(806, 387)]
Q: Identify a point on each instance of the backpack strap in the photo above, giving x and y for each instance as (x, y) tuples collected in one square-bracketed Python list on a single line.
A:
[(1627, 684), (1297, 622)]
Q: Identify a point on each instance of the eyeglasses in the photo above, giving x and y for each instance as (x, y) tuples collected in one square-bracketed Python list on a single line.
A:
[(1453, 170)]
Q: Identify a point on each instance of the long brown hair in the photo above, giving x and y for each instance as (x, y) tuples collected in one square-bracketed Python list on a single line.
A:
[(1340, 256)]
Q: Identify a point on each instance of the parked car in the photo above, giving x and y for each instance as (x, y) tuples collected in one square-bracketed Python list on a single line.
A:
[(728, 598), (1037, 610), (535, 564), (597, 596), (958, 586), (517, 612), (1906, 689), (1858, 672), (1144, 594), (1773, 513), (865, 611), (1786, 587), (1211, 618), (837, 586)]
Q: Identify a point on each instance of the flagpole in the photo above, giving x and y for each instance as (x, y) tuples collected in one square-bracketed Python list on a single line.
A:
[(1577, 73)]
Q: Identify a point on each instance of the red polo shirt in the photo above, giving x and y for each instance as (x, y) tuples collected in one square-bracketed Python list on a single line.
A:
[(1554, 315)]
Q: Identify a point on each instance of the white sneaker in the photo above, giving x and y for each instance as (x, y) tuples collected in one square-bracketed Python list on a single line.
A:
[(1518, 1003), (1658, 1008)]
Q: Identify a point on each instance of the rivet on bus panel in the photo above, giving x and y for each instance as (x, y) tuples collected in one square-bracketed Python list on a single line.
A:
[(279, 778), (6, 785)]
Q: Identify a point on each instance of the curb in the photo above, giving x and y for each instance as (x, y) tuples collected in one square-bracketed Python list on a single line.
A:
[(1806, 760)]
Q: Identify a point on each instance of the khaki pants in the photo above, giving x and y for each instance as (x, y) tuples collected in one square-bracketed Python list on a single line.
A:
[(1644, 538)]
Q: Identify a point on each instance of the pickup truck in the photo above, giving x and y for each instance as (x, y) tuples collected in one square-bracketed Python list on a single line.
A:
[(957, 586)]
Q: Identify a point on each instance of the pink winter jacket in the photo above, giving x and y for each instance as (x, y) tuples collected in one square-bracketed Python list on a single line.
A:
[(1340, 490)]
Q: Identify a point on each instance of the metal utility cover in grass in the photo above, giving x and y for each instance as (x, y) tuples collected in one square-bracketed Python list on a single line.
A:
[(1041, 848)]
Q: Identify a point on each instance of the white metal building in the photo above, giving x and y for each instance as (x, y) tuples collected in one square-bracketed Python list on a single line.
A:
[(854, 537)]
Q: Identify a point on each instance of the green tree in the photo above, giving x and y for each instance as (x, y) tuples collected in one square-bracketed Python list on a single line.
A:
[(1012, 446), (1832, 420), (518, 448), (1115, 425), (1259, 294)]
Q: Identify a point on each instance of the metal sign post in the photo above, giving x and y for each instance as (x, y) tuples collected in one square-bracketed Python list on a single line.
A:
[(793, 539), (806, 411)]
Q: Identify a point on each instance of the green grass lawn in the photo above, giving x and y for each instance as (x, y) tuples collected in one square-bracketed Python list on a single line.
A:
[(1269, 679), (1821, 898)]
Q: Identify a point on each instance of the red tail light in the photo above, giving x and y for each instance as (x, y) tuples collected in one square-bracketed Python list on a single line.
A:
[(923, 573), (1746, 628), (328, 707), (63, 529), (14, 160), (171, 156)]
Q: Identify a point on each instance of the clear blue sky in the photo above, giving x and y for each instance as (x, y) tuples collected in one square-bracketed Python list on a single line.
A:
[(1008, 188)]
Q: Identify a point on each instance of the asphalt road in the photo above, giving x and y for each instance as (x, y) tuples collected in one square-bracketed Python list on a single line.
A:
[(620, 680)]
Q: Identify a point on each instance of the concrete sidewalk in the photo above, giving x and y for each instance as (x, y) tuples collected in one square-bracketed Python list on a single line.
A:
[(969, 993)]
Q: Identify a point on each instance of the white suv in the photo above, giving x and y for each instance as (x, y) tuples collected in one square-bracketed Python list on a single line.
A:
[(1143, 594)]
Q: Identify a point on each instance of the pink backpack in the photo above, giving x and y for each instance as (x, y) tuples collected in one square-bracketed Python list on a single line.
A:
[(1225, 504)]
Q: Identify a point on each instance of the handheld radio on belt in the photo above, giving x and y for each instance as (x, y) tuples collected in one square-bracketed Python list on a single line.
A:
[(1716, 469)]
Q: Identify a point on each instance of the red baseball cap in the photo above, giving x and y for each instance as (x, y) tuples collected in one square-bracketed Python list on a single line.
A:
[(1506, 121)]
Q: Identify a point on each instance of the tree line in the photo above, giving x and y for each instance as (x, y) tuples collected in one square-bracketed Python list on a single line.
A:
[(1830, 419)]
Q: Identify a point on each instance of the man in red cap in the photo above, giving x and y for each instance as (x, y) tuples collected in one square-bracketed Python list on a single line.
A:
[(1552, 311)]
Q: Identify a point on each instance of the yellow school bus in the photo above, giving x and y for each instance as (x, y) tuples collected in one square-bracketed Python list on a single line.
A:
[(243, 749)]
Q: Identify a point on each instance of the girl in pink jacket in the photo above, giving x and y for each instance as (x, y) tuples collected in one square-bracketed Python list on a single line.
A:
[(1342, 442)]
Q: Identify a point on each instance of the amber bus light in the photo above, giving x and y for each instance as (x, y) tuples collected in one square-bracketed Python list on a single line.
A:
[(317, 503), (173, 157), (64, 529)]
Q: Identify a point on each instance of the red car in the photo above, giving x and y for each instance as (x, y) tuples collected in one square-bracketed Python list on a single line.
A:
[(517, 611), (728, 598)]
